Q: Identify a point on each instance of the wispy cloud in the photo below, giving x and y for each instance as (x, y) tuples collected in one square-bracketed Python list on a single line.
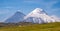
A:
[(56, 5), (32, 1)]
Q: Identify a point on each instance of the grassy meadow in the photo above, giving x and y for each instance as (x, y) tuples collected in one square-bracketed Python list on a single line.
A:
[(34, 27)]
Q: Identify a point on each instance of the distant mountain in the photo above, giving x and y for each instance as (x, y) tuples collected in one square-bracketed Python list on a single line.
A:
[(38, 16), (17, 17)]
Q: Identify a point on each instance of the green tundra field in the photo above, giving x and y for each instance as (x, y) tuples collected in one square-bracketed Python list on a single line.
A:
[(34, 27)]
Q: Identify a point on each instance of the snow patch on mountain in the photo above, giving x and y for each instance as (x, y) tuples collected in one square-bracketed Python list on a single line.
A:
[(39, 16)]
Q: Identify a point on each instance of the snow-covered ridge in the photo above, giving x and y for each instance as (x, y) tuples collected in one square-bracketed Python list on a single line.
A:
[(38, 15), (35, 12)]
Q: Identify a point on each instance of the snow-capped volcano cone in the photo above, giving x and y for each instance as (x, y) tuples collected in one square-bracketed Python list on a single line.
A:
[(39, 10), (38, 16), (36, 13)]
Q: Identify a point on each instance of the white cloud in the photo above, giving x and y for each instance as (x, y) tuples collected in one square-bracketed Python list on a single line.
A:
[(56, 18)]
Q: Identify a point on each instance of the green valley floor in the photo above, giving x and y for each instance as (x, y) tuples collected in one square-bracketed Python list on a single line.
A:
[(34, 27)]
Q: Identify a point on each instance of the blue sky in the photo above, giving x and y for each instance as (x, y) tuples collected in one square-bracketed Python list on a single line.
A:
[(9, 7)]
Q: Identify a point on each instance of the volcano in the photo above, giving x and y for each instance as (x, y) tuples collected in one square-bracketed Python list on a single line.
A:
[(38, 15), (17, 17)]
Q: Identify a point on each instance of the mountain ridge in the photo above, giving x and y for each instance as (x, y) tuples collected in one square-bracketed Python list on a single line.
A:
[(39, 16), (17, 17)]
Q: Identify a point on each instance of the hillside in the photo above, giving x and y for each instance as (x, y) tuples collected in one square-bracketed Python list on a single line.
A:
[(15, 18), (34, 27)]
